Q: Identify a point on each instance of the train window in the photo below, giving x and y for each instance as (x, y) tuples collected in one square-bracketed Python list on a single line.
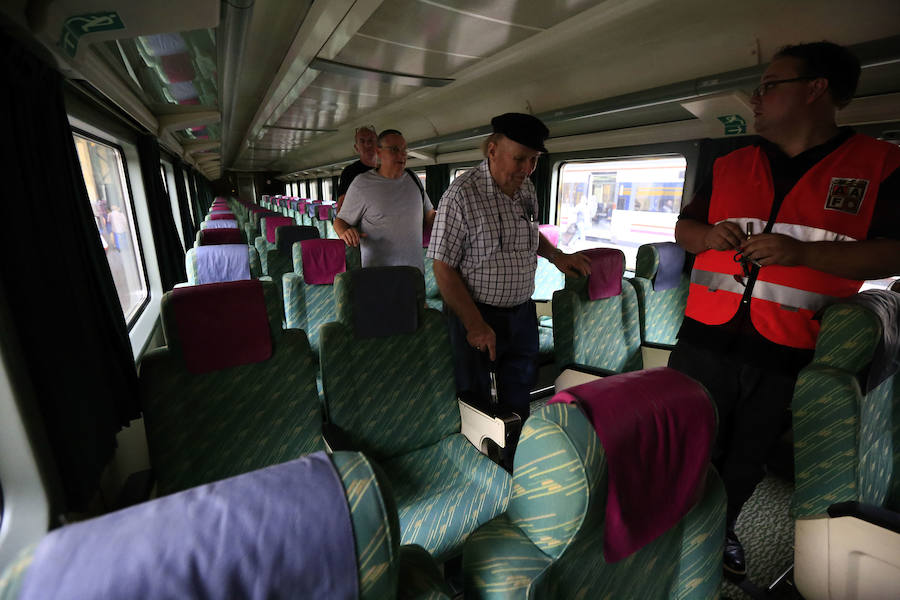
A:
[(103, 168), (326, 189), (422, 175), (313, 190), (621, 203), (459, 170)]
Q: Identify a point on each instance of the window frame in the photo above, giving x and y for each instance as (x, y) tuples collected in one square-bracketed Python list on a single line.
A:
[(139, 310)]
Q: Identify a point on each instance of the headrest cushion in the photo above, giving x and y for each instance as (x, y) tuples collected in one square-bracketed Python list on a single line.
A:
[(272, 223), (220, 325), (286, 235), (607, 269), (322, 260), (213, 237), (384, 300)]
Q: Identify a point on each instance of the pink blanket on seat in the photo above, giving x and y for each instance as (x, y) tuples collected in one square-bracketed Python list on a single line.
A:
[(657, 428), (322, 260)]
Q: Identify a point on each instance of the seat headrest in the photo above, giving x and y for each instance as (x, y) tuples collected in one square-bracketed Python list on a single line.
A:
[(662, 263), (322, 260), (213, 237), (657, 428), (221, 215), (380, 301), (219, 224), (273, 223), (223, 262), (312, 207), (220, 325), (551, 232), (324, 211), (607, 269), (286, 235)]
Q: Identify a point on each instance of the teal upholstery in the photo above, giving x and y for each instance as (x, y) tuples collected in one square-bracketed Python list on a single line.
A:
[(549, 544), (845, 441), (205, 427), (308, 306), (394, 398), (385, 569), (604, 334), (547, 279), (190, 262), (433, 296), (661, 312)]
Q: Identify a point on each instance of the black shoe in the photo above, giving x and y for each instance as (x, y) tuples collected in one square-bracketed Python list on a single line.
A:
[(733, 558)]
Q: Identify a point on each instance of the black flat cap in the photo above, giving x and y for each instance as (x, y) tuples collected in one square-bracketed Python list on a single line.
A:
[(524, 129)]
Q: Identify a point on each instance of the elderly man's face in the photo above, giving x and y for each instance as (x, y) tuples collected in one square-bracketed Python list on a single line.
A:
[(511, 163), (365, 146)]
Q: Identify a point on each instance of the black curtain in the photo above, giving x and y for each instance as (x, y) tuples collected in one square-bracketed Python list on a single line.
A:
[(184, 209), (64, 306), (335, 182), (542, 179), (319, 192), (195, 198), (169, 253), (204, 192), (437, 180)]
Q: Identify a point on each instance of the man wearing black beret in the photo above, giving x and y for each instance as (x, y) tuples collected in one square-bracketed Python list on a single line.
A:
[(485, 244)]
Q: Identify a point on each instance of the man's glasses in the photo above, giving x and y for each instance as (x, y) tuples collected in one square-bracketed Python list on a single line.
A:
[(395, 149), (763, 88)]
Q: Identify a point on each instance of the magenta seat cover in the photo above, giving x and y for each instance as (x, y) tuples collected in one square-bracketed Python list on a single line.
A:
[(322, 260), (222, 325), (607, 269), (656, 427), (272, 223)]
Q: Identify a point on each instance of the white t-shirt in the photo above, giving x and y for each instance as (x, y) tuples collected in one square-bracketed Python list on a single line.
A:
[(391, 213)]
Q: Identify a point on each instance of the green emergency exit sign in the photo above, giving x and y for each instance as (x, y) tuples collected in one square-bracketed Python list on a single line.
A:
[(734, 124), (77, 26)]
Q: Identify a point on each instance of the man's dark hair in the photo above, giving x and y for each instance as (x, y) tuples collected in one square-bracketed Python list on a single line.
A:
[(386, 133), (835, 63)]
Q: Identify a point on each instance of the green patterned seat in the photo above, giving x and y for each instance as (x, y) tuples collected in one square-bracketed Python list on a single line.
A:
[(207, 426), (190, 263), (661, 311), (309, 306), (846, 441), (394, 398), (385, 569), (600, 334), (279, 258), (433, 296), (549, 544)]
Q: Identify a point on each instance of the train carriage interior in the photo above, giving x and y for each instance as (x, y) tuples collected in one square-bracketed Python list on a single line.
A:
[(175, 301)]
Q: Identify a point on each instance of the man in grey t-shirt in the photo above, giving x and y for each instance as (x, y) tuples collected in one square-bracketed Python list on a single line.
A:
[(385, 210)]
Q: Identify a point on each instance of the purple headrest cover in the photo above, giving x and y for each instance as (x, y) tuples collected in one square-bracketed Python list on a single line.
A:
[(322, 260), (607, 269)]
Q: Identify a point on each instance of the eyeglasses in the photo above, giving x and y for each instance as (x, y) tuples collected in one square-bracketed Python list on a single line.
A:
[(396, 149), (763, 88)]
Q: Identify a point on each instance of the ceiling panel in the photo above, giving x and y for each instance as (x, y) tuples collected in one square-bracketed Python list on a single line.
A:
[(525, 13)]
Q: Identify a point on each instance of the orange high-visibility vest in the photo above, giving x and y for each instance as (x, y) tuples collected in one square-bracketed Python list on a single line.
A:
[(833, 201)]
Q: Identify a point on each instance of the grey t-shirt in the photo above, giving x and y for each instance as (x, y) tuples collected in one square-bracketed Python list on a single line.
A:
[(390, 212)]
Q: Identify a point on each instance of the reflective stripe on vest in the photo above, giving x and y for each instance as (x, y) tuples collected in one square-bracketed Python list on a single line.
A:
[(787, 297)]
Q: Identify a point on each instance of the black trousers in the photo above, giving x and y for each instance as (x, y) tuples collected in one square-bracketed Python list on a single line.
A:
[(753, 408), (517, 351)]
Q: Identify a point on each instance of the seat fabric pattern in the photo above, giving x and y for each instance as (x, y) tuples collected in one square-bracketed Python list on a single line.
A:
[(433, 296), (598, 333), (661, 312), (445, 491), (558, 507), (843, 438), (190, 261), (206, 427), (308, 307), (547, 279)]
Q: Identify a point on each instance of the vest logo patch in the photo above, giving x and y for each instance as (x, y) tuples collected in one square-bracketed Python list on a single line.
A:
[(846, 195)]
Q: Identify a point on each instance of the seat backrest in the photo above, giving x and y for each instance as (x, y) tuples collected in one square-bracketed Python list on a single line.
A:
[(595, 318), (219, 525), (279, 260), (561, 478), (222, 262), (214, 403), (387, 358), (219, 224), (846, 442), (308, 306), (662, 289), (547, 278), (266, 240)]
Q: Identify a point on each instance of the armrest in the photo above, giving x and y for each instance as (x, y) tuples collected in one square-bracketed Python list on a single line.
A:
[(870, 513), (335, 438), (575, 374), (655, 355), (481, 424)]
